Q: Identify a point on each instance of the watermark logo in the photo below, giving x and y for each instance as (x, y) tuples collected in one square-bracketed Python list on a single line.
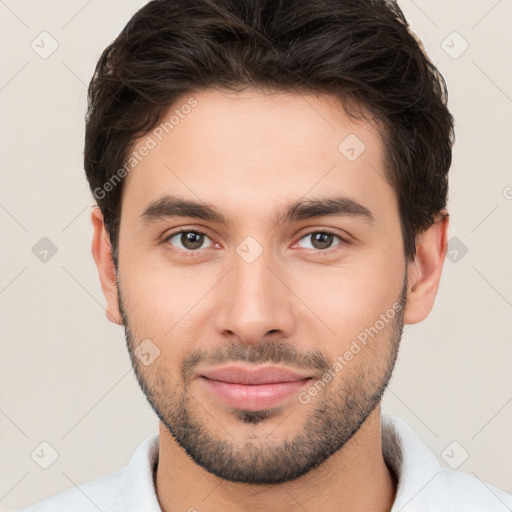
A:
[(454, 45), (44, 45), (249, 249), (44, 250), (146, 352), (352, 147), (456, 249), (44, 455), (455, 455)]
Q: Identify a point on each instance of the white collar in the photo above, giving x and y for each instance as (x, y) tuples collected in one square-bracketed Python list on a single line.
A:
[(423, 485), (412, 462), (415, 466)]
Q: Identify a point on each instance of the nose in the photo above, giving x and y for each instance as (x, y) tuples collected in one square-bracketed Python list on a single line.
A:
[(256, 301)]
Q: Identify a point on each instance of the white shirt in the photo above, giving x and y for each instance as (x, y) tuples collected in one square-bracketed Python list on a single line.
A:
[(423, 485)]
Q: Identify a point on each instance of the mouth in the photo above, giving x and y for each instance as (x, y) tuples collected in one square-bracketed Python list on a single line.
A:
[(253, 388)]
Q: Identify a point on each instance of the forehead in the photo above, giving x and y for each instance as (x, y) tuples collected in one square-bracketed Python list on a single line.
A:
[(250, 151)]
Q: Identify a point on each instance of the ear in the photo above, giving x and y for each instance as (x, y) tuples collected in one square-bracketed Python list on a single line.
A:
[(424, 273), (102, 254)]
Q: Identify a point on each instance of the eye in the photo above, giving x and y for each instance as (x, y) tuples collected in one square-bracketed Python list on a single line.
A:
[(322, 239), (193, 240), (190, 240)]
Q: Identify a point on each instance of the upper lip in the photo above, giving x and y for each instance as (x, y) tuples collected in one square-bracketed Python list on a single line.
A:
[(253, 375)]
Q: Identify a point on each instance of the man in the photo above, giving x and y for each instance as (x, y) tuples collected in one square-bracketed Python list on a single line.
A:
[(271, 181)]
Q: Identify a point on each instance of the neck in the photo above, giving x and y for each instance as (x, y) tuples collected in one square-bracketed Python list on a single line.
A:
[(355, 479)]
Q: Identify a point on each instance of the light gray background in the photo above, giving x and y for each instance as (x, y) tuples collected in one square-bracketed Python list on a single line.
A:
[(65, 374)]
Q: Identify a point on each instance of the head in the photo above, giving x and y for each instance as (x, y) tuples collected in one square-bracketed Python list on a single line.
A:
[(271, 183)]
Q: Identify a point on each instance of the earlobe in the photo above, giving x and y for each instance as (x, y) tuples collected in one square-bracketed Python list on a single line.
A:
[(102, 253), (424, 273)]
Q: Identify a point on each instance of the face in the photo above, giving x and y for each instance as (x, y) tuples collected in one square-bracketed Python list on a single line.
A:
[(259, 235)]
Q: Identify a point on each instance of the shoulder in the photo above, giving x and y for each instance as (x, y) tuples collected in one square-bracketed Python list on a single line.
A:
[(104, 494), (128, 488), (456, 491), (424, 486)]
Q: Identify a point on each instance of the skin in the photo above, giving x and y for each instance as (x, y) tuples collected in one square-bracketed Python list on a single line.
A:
[(249, 154)]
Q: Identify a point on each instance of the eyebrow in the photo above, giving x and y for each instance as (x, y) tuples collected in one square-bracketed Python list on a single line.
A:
[(171, 206)]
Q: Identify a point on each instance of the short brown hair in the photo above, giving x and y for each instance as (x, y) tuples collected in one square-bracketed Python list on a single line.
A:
[(360, 50)]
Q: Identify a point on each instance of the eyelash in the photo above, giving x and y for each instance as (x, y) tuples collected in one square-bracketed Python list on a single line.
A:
[(165, 241)]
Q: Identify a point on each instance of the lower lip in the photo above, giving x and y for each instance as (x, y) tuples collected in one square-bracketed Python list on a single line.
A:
[(254, 397)]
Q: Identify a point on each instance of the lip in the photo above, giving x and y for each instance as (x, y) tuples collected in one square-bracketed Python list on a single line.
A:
[(253, 389), (238, 374)]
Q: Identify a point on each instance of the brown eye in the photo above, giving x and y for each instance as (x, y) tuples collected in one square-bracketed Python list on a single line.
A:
[(189, 240), (322, 240)]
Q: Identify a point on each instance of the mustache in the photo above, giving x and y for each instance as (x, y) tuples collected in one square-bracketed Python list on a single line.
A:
[(265, 352)]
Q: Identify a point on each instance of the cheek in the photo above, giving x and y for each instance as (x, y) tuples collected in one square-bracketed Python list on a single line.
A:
[(346, 303), (335, 302), (162, 301)]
